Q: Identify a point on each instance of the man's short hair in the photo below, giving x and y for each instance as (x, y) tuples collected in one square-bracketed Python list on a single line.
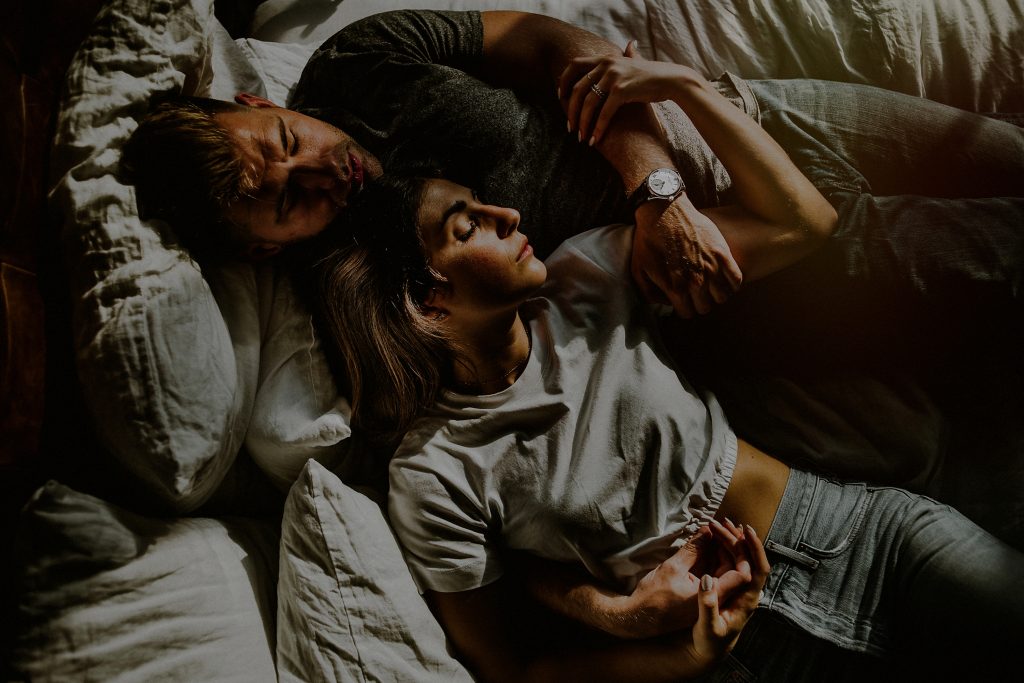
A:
[(188, 171)]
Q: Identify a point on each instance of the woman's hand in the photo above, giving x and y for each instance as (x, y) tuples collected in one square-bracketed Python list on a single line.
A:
[(598, 86), (720, 621)]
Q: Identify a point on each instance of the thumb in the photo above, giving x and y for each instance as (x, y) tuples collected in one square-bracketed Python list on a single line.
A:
[(708, 617), (630, 50)]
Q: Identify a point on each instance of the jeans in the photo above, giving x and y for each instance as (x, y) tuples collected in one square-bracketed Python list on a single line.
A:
[(930, 237), (919, 291), (882, 572)]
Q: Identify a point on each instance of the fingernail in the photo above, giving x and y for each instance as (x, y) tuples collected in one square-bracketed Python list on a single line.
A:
[(729, 521), (568, 126), (705, 583), (559, 92), (579, 136), (750, 529), (593, 139), (634, 43)]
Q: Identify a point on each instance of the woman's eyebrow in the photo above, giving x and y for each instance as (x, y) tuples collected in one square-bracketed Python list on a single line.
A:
[(457, 206)]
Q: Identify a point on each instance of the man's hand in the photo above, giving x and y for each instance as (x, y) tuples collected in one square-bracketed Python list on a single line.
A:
[(680, 257), (679, 254), (666, 599)]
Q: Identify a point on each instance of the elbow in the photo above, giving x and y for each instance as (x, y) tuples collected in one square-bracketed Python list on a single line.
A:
[(829, 220), (820, 224)]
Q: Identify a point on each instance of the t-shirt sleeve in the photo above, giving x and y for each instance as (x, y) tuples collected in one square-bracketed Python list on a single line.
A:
[(363, 67), (601, 259), (442, 529)]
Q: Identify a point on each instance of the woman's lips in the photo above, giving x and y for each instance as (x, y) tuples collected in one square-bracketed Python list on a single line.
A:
[(525, 252)]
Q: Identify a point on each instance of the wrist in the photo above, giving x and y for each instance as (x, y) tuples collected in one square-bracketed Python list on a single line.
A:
[(651, 212), (624, 618), (663, 184)]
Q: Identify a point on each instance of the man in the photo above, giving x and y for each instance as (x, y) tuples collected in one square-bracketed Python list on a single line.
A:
[(404, 85), (471, 126)]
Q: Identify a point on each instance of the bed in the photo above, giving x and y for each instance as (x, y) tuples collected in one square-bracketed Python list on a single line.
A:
[(204, 518)]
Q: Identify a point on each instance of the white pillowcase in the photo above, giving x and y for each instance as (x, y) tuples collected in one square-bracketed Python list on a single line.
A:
[(298, 413), (108, 595), (347, 606), (169, 357), (168, 378)]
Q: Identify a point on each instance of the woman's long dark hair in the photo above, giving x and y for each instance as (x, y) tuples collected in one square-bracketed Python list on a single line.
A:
[(367, 288)]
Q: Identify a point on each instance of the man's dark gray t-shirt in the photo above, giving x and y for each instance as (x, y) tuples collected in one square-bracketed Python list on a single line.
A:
[(401, 84)]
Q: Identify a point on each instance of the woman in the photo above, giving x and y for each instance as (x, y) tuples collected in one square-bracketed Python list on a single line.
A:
[(543, 414)]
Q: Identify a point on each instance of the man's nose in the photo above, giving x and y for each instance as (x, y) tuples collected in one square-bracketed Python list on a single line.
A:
[(315, 179), (315, 171)]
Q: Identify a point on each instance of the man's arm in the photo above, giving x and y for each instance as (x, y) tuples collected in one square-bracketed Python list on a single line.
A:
[(484, 634), (479, 622), (665, 599), (678, 255)]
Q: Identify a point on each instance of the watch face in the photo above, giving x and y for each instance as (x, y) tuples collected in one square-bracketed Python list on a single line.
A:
[(664, 182)]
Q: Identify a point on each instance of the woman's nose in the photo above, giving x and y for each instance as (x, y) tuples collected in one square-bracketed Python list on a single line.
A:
[(506, 220)]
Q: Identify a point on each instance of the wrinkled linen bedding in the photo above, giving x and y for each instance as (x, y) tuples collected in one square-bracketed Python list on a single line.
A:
[(184, 370)]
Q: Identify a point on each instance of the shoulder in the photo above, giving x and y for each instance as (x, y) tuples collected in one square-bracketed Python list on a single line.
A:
[(600, 256), (387, 31), (426, 465)]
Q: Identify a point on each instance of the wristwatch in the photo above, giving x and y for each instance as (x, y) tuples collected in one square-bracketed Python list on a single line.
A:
[(661, 183)]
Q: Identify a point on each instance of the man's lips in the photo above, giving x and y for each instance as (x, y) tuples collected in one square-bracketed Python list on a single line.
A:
[(356, 178)]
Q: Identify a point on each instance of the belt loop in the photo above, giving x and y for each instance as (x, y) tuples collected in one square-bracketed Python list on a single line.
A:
[(791, 555)]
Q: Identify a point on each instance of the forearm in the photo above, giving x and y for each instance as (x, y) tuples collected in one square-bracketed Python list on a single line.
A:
[(529, 52), (653, 609), (571, 592), (496, 634), (765, 180)]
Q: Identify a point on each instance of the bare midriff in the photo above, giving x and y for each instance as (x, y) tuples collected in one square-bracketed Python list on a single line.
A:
[(756, 489)]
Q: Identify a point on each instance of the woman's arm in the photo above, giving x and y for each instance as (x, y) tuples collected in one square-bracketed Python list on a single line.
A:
[(780, 216), (483, 627)]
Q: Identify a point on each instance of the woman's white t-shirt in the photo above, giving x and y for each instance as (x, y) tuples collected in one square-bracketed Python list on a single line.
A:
[(599, 453)]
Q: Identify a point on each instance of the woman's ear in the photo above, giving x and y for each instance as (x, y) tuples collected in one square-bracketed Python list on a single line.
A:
[(434, 304)]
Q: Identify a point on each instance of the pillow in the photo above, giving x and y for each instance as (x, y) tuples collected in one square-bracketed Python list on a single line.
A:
[(297, 414), (169, 355), (962, 53), (279, 65), (109, 595), (297, 21), (347, 606), (166, 359)]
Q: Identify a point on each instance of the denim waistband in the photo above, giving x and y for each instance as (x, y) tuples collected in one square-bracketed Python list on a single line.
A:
[(821, 575)]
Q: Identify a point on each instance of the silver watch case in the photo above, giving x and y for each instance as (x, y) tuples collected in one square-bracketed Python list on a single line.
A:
[(661, 183)]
